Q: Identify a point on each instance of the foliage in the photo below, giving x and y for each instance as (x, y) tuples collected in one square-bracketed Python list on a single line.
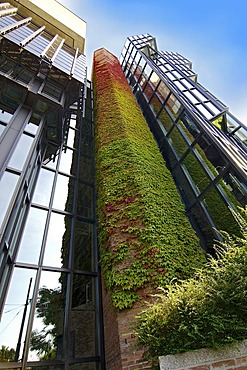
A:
[(144, 235), (50, 308), (215, 204), (208, 310), (7, 354)]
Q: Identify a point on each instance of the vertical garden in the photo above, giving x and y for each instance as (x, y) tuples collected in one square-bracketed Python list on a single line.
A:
[(145, 238)]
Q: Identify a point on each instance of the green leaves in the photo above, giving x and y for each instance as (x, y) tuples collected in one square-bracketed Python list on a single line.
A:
[(208, 310), (145, 238)]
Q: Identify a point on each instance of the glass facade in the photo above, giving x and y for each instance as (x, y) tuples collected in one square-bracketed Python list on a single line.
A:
[(49, 278), (203, 144)]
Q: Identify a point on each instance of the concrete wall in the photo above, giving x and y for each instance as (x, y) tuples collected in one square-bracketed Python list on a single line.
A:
[(234, 358)]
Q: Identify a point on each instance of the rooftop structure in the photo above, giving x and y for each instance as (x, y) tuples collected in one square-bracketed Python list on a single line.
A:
[(203, 144)]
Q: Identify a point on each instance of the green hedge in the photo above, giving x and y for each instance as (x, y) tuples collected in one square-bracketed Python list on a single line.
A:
[(145, 238)]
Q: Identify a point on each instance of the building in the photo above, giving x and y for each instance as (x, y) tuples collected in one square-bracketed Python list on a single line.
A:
[(49, 271), (203, 144), (50, 281)]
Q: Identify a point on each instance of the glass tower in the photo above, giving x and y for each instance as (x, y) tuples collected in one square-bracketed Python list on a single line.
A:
[(203, 144), (50, 313)]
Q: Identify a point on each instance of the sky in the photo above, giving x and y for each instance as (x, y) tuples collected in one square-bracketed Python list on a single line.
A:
[(212, 34)]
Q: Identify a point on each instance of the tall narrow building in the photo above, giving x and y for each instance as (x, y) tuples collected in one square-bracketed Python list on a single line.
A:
[(169, 164), (50, 314), (203, 144)]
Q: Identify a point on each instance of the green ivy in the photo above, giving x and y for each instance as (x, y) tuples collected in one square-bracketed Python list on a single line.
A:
[(215, 204), (145, 238)]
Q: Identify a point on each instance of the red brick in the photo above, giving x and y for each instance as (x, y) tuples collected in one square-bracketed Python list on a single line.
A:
[(225, 363), (201, 367), (240, 360)]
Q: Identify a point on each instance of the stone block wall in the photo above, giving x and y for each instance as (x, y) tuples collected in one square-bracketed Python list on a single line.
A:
[(234, 358)]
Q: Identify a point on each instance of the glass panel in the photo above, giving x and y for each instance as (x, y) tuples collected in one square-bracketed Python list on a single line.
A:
[(31, 127), (57, 244), (82, 327), (63, 198), (199, 95), (32, 236), (7, 185), (85, 200), (2, 127), (5, 116), (71, 138), (67, 161), (18, 298), (177, 142), (44, 186), (165, 119), (51, 156), (173, 105), (236, 187), (204, 111), (83, 256), (84, 366), (86, 145), (154, 78), (72, 122), (155, 104), (21, 151), (163, 91), (196, 171), (220, 212), (241, 136), (85, 170), (190, 97), (189, 126), (148, 90), (47, 332), (147, 71)]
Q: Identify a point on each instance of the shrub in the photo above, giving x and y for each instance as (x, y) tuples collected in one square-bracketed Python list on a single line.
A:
[(208, 310)]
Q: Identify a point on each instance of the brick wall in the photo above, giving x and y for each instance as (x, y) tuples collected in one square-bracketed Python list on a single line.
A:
[(234, 358), (120, 339)]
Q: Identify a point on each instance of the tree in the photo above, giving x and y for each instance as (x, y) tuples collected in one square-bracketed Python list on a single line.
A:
[(50, 309), (7, 354)]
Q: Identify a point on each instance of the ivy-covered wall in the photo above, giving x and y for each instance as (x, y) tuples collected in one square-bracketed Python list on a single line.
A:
[(145, 238)]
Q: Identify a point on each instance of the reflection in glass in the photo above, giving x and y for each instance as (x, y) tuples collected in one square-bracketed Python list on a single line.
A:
[(174, 106), (56, 251), (236, 187), (83, 366), (14, 313), (220, 212), (177, 142), (196, 171), (66, 161), (32, 236), (5, 116), (82, 317), (85, 170), (47, 330), (71, 138), (44, 186), (7, 185), (21, 151), (83, 259), (85, 197), (63, 197), (31, 127), (2, 127)]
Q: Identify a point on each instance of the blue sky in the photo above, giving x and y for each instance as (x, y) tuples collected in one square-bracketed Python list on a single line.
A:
[(212, 34)]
